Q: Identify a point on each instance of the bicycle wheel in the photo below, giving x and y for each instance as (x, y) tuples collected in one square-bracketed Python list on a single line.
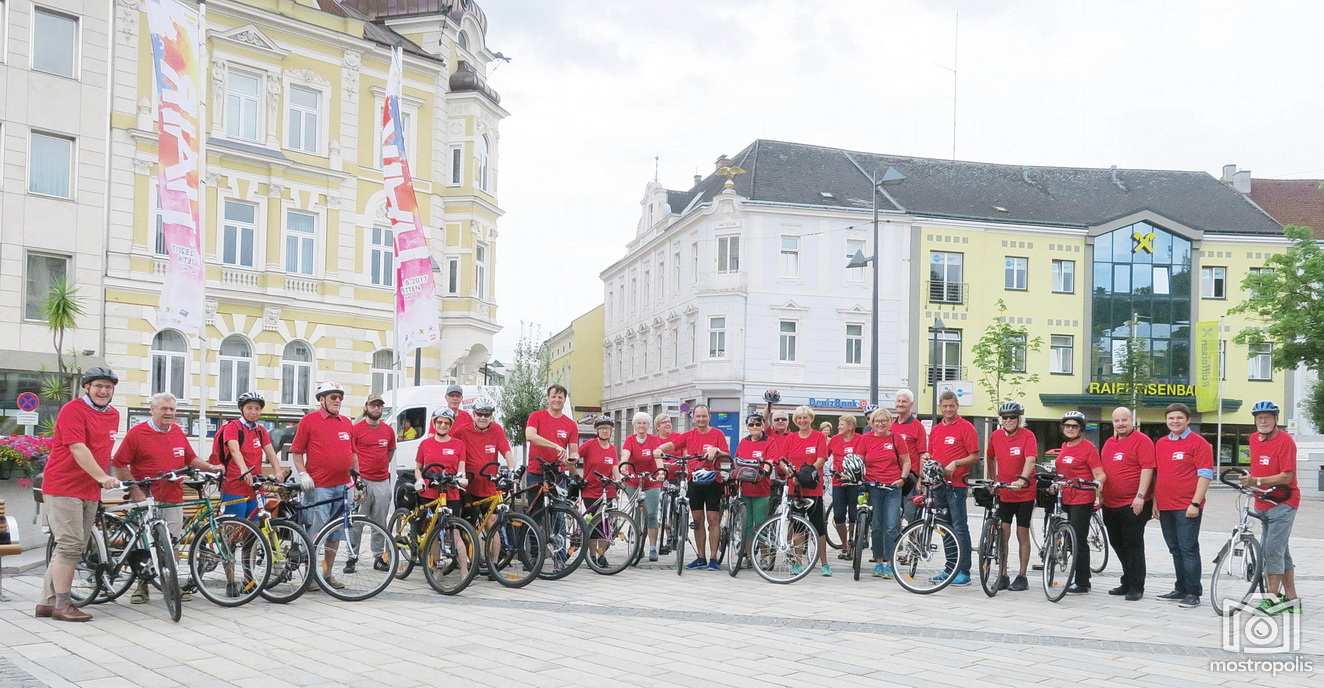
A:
[(862, 521), (450, 555), (919, 559), (365, 581), (1237, 573), (116, 580), (167, 573), (514, 548), (678, 537), (1098, 539), (87, 582), (640, 517), (989, 555), (783, 550), (229, 561), (1059, 561), (738, 544), (723, 535), (612, 543), (404, 538), (564, 528), (291, 562)]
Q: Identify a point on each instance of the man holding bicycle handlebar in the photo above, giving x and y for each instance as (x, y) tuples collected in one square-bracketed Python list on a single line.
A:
[(323, 451), (705, 494), (553, 436), (1273, 465), (954, 443)]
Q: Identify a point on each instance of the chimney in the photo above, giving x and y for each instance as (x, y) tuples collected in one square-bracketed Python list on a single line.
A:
[(722, 161), (697, 178), (1229, 170), (1241, 181)]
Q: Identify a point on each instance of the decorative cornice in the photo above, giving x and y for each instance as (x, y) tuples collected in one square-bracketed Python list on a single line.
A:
[(250, 36)]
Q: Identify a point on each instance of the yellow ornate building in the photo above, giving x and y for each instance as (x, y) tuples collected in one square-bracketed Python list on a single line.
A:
[(574, 359), (298, 250)]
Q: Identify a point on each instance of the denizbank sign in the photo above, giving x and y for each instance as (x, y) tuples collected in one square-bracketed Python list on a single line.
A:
[(1149, 389)]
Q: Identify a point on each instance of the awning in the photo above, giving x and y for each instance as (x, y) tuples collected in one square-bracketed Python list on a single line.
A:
[(43, 362), (1103, 400)]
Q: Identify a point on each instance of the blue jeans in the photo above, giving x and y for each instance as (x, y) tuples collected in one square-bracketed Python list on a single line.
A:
[(886, 521), (1183, 537), (954, 498), (320, 515)]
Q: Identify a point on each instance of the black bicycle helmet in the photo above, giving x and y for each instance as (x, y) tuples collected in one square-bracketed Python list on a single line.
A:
[(603, 420), (806, 475), (754, 417), (99, 373), (1011, 408), (252, 396)]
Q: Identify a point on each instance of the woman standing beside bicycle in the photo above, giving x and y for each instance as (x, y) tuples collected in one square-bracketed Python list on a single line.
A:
[(887, 462), (755, 494), (807, 452), (844, 497), (1078, 458), (637, 450), (599, 457), (440, 448)]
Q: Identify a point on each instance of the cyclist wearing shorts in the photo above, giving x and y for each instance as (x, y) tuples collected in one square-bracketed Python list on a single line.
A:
[(844, 497), (1012, 450), (553, 437), (323, 453), (637, 450), (1128, 505), (463, 421), (599, 456), (242, 445), (442, 448), (1078, 459), (1183, 467), (374, 442), (755, 494), (886, 462), (485, 444), (705, 493), (955, 445), (1273, 465), (807, 452), (906, 424)]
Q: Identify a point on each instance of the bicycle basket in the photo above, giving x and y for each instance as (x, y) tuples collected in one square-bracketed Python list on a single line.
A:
[(745, 472), (983, 497)]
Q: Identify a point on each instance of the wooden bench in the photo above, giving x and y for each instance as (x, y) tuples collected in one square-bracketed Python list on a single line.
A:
[(9, 546)]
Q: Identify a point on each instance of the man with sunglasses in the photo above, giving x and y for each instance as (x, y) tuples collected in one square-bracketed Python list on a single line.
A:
[(1012, 450), (323, 451), (485, 444)]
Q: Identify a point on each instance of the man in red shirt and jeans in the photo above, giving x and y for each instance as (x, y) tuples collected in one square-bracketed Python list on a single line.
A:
[(323, 450), (1184, 465), (374, 443), (954, 443), (71, 487), (1128, 461)]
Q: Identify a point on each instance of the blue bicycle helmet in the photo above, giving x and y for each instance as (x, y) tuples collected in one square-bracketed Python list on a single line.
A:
[(1264, 406), (703, 477)]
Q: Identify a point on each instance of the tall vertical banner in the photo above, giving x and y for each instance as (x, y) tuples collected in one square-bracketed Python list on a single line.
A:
[(176, 65), (1206, 365), (415, 290)]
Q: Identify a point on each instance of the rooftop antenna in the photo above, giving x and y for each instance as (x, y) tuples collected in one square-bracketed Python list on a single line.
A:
[(956, 45)]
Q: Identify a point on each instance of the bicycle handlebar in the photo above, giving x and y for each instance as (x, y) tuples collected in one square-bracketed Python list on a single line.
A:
[(1236, 485)]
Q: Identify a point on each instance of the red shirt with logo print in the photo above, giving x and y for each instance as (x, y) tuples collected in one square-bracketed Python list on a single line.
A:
[(483, 448), (79, 422), (327, 443), (801, 451), (1177, 463), (374, 444), (1123, 459), (148, 452), (1079, 462), (1271, 457)]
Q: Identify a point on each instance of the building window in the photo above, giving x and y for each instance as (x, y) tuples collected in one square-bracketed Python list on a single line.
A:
[(296, 374), (659, 352), (717, 337), (54, 43), (305, 109), (854, 246), (1015, 272), (484, 158), (946, 272), (457, 165), (634, 294), (675, 348), (694, 260), (786, 340), (661, 279), (1213, 283), (854, 343), (159, 242), (728, 253), (382, 375), (790, 256), (675, 269), (382, 255), (237, 234), (1064, 276), (643, 346), (1061, 354), (452, 276), (236, 367), (50, 165), (620, 363), (1261, 362), (242, 105), (300, 242), (694, 342), (1017, 353), (169, 353), (463, 40), (645, 299), (480, 271), (44, 272), (944, 355)]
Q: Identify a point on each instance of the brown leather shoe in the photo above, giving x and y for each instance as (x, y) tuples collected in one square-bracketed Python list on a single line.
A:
[(44, 611), (70, 613)]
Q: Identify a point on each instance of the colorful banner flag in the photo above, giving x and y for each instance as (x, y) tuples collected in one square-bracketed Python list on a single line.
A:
[(415, 291), (1206, 365), (174, 30)]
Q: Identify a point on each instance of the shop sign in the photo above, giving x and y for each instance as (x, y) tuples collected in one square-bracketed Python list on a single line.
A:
[(1151, 389), (842, 404)]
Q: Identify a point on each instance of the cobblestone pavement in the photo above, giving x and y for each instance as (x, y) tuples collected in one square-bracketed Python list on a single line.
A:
[(649, 627)]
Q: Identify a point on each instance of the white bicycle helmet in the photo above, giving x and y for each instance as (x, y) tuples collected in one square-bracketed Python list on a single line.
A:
[(852, 469), (326, 387), (703, 477)]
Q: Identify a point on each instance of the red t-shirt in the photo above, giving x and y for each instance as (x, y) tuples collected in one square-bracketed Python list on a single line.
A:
[(1078, 462), (672, 471), (562, 432), (806, 450), (882, 457), (250, 447), (374, 444), (463, 420), (754, 451), (695, 443), (597, 460), (1011, 452), (148, 453), (912, 431), (1176, 463), (1271, 457), (641, 457), (78, 422), (327, 442), (1123, 459), (483, 448), (449, 453), (952, 442), (838, 448)]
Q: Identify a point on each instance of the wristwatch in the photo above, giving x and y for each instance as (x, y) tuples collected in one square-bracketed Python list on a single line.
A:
[(1195, 504)]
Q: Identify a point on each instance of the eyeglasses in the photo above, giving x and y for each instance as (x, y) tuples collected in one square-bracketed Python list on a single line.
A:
[(1075, 426)]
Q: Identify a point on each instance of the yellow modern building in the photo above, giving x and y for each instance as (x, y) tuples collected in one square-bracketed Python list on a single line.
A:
[(574, 360), (297, 247)]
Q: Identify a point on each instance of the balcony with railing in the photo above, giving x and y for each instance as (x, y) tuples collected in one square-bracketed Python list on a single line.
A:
[(301, 286), (944, 373), (948, 293), (239, 278)]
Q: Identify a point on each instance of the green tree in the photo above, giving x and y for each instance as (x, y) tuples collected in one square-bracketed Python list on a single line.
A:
[(63, 307), (525, 387), (1287, 301), (1134, 367), (1314, 404), (1002, 357)]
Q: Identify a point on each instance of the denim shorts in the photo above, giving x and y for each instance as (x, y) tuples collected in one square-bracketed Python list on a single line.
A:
[(319, 515), (1277, 531)]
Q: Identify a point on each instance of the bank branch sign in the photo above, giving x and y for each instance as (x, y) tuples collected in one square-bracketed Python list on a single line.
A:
[(1149, 389)]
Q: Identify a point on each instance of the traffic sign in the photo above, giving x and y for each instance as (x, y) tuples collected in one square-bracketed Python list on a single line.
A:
[(28, 418), (28, 401)]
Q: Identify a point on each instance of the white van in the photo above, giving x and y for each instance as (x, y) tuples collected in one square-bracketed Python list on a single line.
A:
[(416, 404)]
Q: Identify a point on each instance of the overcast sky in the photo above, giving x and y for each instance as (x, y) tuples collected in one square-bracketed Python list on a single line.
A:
[(597, 89)]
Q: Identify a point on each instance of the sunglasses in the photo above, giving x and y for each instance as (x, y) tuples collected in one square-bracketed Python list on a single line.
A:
[(781, 420), (482, 415), (1077, 426), (1010, 417), (755, 424)]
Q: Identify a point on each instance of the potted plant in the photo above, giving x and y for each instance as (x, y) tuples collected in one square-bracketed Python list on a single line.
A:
[(24, 456)]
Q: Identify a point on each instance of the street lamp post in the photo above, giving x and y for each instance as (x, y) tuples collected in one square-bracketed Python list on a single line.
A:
[(937, 327), (859, 260)]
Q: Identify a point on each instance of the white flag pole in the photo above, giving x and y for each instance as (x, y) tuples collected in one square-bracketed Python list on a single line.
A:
[(201, 85), (396, 64)]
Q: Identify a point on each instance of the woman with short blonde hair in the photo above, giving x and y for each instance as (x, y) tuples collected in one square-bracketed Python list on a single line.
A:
[(844, 497), (637, 450), (807, 450)]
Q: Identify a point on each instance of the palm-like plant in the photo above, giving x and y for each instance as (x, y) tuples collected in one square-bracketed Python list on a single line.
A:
[(63, 307)]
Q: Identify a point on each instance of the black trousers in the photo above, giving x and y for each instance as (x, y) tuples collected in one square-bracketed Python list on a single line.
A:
[(1079, 516), (1126, 532)]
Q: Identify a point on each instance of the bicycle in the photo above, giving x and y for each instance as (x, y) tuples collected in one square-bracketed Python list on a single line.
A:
[(992, 554), (675, 493), (291, 548), (736, 517), (337, 529), (1060, 547), (611, 531), (507, 535), (1239, 562), (784, 546), (630, 499), (1100, 550), (927, 550), (228, 559), (550, 507), (434, 537), (863, 523)]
